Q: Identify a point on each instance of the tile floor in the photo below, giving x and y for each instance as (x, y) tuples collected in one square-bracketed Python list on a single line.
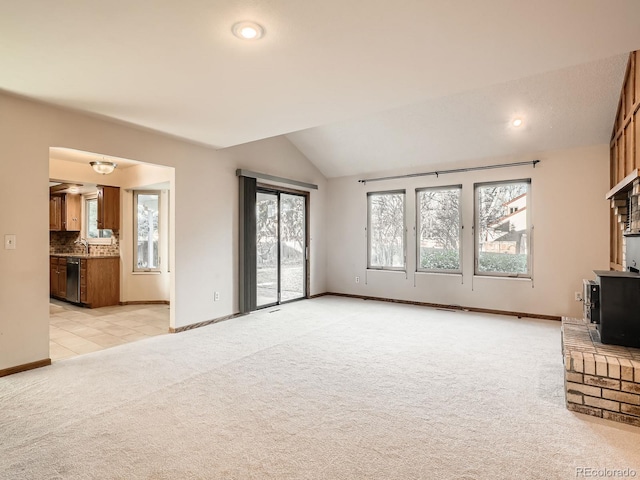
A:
[(76, 330)]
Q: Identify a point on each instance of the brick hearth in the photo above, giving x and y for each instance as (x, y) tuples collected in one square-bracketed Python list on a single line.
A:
[(600, 380)]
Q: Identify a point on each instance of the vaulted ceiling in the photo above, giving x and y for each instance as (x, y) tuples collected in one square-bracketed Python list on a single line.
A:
[(357, 85)]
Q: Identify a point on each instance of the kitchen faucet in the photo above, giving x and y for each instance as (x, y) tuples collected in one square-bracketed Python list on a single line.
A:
[(84, 243)]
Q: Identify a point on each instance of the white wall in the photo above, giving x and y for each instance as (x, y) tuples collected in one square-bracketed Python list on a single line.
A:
[(145, 286), (205, 203), (570, 239), (278, 154)]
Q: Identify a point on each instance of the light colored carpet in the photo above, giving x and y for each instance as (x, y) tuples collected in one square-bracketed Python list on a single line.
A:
[(329, 388)]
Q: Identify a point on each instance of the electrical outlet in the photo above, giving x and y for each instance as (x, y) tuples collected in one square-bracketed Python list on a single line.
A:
[(216, 296), (578, 296), (357, 279)]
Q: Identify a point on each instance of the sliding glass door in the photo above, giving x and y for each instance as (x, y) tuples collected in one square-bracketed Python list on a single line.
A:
[(280, 247), (292, 246), (267, 252)]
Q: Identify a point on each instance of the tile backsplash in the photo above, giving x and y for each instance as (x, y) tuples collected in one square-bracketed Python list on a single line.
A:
[(63, 242)]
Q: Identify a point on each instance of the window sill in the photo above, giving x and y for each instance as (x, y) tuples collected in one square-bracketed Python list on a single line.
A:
[(99, 241), (503, 277), (392, 270), (149, 272), (450, 274)]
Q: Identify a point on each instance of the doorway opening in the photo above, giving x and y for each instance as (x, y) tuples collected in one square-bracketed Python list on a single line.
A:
[(110, 252)]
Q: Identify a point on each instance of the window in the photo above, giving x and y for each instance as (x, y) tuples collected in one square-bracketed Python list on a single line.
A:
[(502, 229), (386, 230), (90, 224), (146, 216), (438, 223)]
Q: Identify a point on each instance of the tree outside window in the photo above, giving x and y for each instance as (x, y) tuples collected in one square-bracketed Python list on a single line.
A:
[(386, 229), (438, 211), (147, 208)]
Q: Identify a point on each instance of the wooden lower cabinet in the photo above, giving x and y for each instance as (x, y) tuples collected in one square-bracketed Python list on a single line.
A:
[(53, 276), (100, 281), (58, 277)]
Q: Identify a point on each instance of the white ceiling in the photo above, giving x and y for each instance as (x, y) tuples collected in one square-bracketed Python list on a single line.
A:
[(565, 108), (446, 72), (78, 156)]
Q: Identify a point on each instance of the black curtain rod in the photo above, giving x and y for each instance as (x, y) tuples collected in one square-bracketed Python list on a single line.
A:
[(457, 170)]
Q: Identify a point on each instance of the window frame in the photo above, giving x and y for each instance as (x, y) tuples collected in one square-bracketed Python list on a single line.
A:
[(529, 230), (87, 197), (402, 268), (418, 229), (135, 230)]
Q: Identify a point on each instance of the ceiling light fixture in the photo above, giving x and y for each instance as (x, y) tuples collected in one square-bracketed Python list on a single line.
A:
[(248, 30), (517, 122), (103, 168)]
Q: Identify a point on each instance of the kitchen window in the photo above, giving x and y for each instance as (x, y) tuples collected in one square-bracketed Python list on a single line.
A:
[(503, 229), (146, 207), (386, 230), (439, 228), (90, 230)]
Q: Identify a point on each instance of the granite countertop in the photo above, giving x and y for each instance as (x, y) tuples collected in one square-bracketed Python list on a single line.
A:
[(82, 255)]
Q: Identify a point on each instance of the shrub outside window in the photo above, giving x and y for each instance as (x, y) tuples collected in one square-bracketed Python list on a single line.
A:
[(439, 227), (386, 230), (502, 229)]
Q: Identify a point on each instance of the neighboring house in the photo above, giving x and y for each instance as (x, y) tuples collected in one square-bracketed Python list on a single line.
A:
[(509, 233)]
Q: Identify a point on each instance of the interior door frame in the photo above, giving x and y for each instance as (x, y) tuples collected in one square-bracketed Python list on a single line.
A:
[(274, 189)]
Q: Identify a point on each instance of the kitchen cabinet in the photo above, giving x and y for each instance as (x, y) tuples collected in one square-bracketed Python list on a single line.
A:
[(55, 213), (71, 211), (108, 208), (100, 281), (64, 212), (58, 277)]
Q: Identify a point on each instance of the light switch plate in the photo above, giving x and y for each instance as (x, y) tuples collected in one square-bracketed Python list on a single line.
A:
[(9, 242)]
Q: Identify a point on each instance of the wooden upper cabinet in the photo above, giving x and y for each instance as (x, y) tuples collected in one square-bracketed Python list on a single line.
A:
[(55, 213), (72, 212), (64, 212), (108, 208)]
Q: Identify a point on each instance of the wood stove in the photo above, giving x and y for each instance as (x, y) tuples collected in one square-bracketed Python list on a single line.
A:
[(617, 307)]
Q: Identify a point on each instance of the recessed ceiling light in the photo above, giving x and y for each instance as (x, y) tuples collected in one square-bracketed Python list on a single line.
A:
[(517, 122), (248, 30)]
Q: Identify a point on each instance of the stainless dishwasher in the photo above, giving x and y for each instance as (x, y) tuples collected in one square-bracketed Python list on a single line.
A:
[(73, 279)]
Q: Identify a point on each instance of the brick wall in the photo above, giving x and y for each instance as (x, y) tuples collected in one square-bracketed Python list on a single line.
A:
[(600, 380), (63, 242)]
